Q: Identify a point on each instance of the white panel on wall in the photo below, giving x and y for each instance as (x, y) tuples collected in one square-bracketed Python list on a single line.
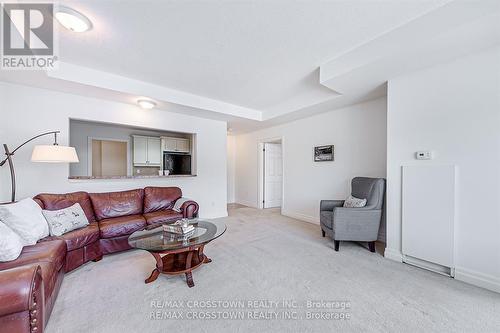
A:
[(428, 213)]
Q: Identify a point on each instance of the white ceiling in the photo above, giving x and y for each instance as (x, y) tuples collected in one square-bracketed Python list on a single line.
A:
[(252, 63)]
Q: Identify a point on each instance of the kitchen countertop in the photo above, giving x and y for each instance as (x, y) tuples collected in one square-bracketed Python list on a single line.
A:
[(127, 177)]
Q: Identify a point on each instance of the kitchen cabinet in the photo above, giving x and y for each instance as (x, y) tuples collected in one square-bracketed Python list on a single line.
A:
[(179, 145), (147, 151)]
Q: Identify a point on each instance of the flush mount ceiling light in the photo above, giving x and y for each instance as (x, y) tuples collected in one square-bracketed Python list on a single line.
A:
[(146, 103), (72, 20)]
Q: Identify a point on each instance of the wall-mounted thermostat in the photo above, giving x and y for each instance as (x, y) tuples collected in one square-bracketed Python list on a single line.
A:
[(423, 155)]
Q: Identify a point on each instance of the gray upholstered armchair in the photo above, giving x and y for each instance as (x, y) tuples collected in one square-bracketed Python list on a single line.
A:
[(355, 224)]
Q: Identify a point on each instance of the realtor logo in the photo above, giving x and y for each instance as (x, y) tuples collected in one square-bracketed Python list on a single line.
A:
[(28, 36)]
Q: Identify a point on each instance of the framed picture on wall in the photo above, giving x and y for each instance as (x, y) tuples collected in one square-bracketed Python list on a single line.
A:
[(323, 153)]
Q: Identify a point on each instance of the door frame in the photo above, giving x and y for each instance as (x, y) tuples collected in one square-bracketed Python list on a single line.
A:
[(89, 153), (260, 177)]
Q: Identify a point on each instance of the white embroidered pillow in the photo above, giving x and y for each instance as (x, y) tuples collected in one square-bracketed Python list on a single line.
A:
[(65, 220), (25, 219), (353, 202), (11, 244)]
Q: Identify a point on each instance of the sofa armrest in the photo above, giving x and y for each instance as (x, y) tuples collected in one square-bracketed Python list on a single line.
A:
[(189, 209), (356, 224), (328, 205), (21, 291)]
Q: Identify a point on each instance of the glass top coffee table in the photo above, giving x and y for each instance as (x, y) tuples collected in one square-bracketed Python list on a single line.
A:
[(181, 254)]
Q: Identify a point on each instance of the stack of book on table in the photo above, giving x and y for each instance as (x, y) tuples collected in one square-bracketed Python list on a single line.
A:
[(178, 228)]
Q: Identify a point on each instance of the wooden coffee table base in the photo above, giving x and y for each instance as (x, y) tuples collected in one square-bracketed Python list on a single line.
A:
[(181, 261)]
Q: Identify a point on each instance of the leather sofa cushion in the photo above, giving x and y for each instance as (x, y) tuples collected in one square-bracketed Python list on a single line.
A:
[(121, 226), (162, 216), (80, 237), (61, 201), (116, 244), (160, 198), (53, 251), (116, 204)]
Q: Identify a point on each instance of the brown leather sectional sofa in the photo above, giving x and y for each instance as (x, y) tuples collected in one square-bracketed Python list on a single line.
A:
[(29, 285)]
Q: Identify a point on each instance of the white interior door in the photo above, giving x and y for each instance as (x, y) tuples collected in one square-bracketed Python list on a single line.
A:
[(273, 175)]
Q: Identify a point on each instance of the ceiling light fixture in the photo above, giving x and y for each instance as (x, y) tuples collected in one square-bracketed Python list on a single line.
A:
[(72, 19), (146, 104)]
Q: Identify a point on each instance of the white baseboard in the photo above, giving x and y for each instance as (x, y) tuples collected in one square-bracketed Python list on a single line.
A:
[(478, 279), (393, 254), (300, 216)]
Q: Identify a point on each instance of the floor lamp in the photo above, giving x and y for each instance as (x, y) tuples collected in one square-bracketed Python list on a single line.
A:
[(41, 153)]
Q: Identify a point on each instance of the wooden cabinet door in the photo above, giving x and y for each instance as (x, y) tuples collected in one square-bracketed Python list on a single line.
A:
[(154, 151), (183, 145), (170, 144), (140, 150)]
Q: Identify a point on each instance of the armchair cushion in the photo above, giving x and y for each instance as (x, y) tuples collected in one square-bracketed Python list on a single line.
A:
[(356, 224)]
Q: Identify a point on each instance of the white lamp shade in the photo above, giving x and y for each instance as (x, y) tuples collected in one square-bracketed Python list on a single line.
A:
[(54, 154)]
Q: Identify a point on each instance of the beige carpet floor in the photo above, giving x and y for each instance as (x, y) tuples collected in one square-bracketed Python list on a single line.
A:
[(267, 257)]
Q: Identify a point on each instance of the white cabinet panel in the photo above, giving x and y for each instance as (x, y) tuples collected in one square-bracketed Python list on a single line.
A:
[(154, 151), (176, 144), (182, 145), (170, 144), (147, 151), (140, 150)]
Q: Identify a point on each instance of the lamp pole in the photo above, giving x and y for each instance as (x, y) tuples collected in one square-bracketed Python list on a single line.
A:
[(11, 165)]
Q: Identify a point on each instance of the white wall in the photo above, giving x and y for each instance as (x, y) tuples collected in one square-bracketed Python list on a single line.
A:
[(454, 110), (29, 111), (359, 135), (231, 167)]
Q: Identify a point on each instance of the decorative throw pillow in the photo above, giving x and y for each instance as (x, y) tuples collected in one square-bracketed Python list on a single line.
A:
[(65, 220), (11, 244), (353, 202), (25, 219)]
